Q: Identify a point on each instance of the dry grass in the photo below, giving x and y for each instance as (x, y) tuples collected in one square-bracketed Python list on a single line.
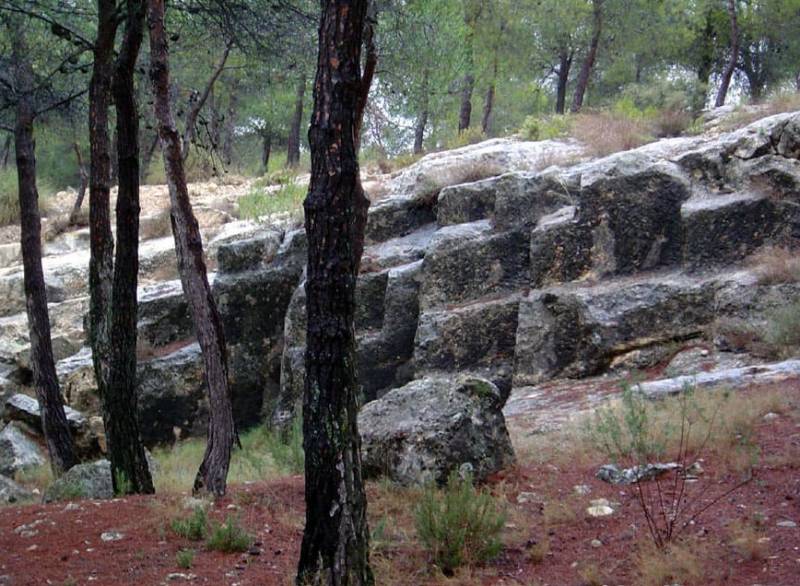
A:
[(591, 575), (778, 104), (558, 513), (681, 563), (774, 265), (467, 173), (749, 540), (156, 226), (605, 133)]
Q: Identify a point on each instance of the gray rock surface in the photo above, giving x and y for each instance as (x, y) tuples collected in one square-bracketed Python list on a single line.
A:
[(18, 451), (11, 492), (84, 481), (432, 426)]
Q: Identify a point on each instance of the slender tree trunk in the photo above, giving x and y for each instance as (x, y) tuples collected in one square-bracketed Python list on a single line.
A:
[(101, 262), (293, 142), (51, 407), (189, 132), (797, 82), (564, 65), (730, 68), (84, 174), (423, 114), (591, 56), (230, 124), (7, 150), (212, 476), (266, 150), (335, 548), (125, 449), (465, 113)]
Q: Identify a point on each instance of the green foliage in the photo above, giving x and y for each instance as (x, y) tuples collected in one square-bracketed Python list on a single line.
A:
[(286, 448), (229, 537), (288, 199), (194, 527), (783, 329), (472, 135), (546, 127), (66, 491), (9, 200), (185, 558), (122, 483), (459, 525)]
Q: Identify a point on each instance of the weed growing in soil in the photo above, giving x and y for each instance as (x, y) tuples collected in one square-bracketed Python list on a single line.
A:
[(229, 537), (185, 558), (459, 525), (193, 528)]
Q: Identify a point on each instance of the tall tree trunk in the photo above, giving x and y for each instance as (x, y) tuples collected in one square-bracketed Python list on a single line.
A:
[(370, 65), (213, 473), (335, 548), (189, 132), (591, 56), (564, 65), (229, 129), (423, 113), (101, 262), (293, 142), (797, 82), (465, 112), (54, 420), (266, 150), (488, 110), (84, 175), (727, 75), (125, 449)]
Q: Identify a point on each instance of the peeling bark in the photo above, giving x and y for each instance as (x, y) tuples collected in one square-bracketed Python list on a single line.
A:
[(335, 550), (213, 472)]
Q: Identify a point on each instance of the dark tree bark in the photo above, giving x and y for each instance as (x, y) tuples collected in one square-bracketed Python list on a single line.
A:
[(797, 82), (189, 132), (54, 420), (565, 58), (101, 262), (730, 68), (293, 141), (229, 127), (423, 113), (591, 56), (266, 150), (84, 175), (465, 113), (335, 549), (125, 450), (213, 473)]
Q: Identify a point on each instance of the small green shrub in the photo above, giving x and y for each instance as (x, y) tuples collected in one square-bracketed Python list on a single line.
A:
[(472, 135), (185, 558), (282, 176), (194, 527), (782, 330), (286, 448), (545, 128), (259, 202), (459, 525), (229, 537), (122, 483)]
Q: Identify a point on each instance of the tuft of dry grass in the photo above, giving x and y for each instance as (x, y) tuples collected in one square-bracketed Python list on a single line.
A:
[(591, 575), (774, 265), (605, 133), (749, 540), (156, 226), (778, 104), (558, 513), (679, 563)]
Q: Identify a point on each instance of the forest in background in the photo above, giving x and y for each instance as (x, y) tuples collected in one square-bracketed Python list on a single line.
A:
[(449, 72)]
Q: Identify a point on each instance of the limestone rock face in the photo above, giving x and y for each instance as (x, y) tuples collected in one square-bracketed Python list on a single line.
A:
[(17, 450), (423, 431), (11, 492), (84, 481)]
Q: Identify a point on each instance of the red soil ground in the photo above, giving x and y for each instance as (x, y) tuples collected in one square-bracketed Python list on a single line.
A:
[(67, 548)]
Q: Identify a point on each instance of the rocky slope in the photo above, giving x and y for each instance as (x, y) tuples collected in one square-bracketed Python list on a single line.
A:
[(516, 262)]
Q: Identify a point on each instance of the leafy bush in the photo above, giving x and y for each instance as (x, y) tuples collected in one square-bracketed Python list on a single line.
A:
[(229, 537), (286, 200), (472, 135), (194, 527), (286, 448), (459, 525), (782, 330), (545, 128), (185, 558)]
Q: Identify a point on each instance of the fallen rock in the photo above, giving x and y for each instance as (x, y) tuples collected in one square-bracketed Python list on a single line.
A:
[(17, 451), (612, 474), (430, 427), (84, 481), (11, 492)]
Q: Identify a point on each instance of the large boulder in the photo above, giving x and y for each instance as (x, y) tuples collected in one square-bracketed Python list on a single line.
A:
[(18, 451), (430, 427), (12, 493), (84, 481)]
